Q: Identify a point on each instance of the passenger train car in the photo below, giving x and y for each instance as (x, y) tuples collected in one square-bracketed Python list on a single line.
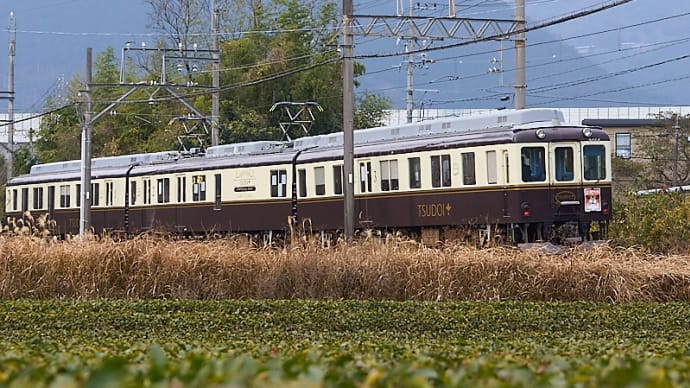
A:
[(520, 175)]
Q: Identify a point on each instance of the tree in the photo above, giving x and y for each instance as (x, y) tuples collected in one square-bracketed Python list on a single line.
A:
[(371, 110), (59, 132), (658, 151)]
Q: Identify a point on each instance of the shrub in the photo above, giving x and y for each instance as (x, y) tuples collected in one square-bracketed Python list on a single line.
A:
[(658, 222)]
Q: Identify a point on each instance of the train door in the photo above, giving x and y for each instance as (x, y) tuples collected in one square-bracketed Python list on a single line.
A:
[(148, 211), (565, 181), (564, 165), (181, 209), (365, 187), (505, 164), (596, 194)]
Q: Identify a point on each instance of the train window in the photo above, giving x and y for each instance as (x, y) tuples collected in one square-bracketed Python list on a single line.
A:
[(278, 183), (564, 164), (199, 188), (181, 192), (302, 180), (491, 168), (51, 200), (533, 164), (109, 193), (38, 198), (445, 170), (15, 199), (389, 175), (163, 185), (506, 165), (219, 192), (440, 170), (94, 195), (436, 171), (594, 162), (365, 176), (133, 192), (469, 176), (415, 173), (338, 179), (25, 199), (147, 191), (320, 180), (64, 196)]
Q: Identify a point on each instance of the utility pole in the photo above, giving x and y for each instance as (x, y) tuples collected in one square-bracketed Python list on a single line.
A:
[(409, 99), (676, 135), (10, 97), (85, 190), (410, 75), (348, 124), (215, 95), (520, 71)]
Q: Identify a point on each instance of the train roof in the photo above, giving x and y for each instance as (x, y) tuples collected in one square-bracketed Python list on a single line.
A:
[(492, 128)]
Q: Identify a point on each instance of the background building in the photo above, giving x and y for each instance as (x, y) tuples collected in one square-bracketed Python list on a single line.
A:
[(26, 127)]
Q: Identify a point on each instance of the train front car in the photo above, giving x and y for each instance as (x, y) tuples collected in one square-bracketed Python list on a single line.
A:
[(565, 193)]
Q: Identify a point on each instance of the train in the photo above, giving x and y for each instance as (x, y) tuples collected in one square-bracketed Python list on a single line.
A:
[(519, 176)]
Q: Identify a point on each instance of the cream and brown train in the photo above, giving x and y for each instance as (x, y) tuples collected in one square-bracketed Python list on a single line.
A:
[(520, 175)]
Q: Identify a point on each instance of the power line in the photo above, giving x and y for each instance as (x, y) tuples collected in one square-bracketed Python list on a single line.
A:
[(39, 115), (617, 90), (606, 76)]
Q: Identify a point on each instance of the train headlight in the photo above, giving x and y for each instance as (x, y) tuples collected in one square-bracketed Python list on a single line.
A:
[(540, 133), (587, 132), (526, 211)]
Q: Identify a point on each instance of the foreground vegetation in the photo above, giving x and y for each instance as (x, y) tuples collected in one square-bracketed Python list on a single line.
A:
[(373, 269), (342, 343)]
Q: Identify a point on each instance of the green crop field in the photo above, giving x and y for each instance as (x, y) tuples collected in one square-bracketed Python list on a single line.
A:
[(96, 343)]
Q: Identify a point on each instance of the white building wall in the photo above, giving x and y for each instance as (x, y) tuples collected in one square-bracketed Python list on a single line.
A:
[(26, 126), (572, 115)]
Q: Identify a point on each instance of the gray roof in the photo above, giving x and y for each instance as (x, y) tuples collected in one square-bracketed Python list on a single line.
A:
[(622, 123)]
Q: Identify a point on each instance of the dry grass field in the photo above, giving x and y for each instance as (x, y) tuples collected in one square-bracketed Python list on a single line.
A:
[(147, 268)]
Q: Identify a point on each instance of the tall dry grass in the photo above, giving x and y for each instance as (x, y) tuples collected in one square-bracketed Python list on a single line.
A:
[(373, 269)]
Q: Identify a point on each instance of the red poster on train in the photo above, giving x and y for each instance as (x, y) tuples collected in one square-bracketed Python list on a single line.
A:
[(592, 200)]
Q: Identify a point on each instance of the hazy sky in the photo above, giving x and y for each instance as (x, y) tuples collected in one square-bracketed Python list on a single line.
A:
[(52, 37)]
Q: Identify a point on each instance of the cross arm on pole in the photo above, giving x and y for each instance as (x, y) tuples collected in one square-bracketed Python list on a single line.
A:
[(431, 28), (183, 101), (113, 104)]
